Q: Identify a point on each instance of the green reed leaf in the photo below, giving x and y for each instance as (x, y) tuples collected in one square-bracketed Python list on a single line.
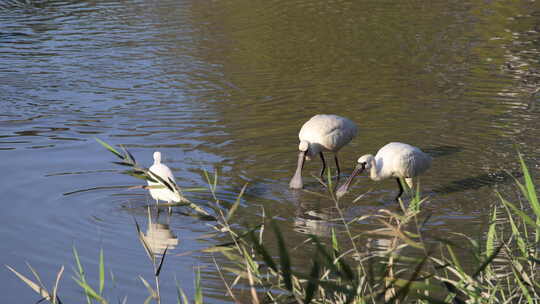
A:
[(313, 282), (283, 257), (89, 291), (529, 187), (34, 286), (198, 288), (490, 239), (80, 271), (234, 207), (259, 248), (151, 291), (101, 272), (110, 148)]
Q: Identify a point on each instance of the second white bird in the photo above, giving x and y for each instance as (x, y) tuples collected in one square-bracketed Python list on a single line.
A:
[(396, 160)]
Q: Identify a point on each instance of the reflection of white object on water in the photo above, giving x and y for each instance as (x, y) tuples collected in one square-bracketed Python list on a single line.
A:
[(163, 194), (396, 160), (322, 133), (381, 244), (158, 237), (313, 222)]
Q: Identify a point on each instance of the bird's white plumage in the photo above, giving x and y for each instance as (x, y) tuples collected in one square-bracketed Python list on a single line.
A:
[(162, 194), (322, 133), (399, 160), (327, 132)]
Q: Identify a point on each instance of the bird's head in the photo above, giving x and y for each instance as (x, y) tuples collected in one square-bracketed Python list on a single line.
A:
[(157, 157), (365, 161)]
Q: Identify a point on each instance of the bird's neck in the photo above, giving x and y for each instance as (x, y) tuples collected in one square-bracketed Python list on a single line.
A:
[(375, 171)]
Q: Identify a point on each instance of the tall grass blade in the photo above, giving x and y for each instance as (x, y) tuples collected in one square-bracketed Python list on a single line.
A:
[(148, 299), (433, 300), (101, 272), (36, 275), (262, 251), (529, 187), (531, 195), (313, 282), (490, 239), (215, 179), (146, 247), (80, 271), (402, 292), (341, 268), (234, 207), (97, 188), (161, 262), (161, 181), (181, 295), (128, 155), (527, 219), (229, 290), (454, 258), (283, 258), (151, 290), (56, 284), (248, 261), (522, 286), (34, 286), (202, 213), (110, 148), (198, 288), (522, 246), (329, 182), (89, 291), (488, 261)]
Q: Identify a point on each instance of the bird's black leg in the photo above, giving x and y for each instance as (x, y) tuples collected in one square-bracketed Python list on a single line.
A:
[(337, 166), (323, 164), (400, 189)]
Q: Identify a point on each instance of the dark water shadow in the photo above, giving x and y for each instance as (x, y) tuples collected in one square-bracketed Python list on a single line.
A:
[(479, 181), (442, 151)]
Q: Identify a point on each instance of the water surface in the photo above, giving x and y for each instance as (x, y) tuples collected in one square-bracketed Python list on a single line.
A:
[(227, 85)]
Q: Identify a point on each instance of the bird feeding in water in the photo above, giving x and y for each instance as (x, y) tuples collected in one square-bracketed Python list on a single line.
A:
[(165, 187), (322, 133), (396, 160)]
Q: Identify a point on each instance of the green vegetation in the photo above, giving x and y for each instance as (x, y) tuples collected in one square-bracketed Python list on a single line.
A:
[(409, 270)]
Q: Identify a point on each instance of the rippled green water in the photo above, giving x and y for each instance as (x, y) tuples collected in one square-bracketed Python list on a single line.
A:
[(227, 85)]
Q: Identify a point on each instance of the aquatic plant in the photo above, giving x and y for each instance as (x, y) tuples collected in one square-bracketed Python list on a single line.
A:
[(411, 268)]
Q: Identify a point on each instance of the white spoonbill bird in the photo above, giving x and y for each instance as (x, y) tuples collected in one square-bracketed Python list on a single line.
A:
[(322, 133), (396, 160), (163, 172)]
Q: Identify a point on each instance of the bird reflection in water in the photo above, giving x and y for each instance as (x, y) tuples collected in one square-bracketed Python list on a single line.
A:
[(313, 222), (158, 234), (312, 219)]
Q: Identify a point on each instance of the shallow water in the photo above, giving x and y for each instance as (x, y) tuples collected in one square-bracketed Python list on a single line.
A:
[(227, 85)]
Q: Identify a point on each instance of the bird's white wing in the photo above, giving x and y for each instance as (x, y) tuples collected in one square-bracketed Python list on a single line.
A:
[(163, 171), (330, 131), (414, 162)]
